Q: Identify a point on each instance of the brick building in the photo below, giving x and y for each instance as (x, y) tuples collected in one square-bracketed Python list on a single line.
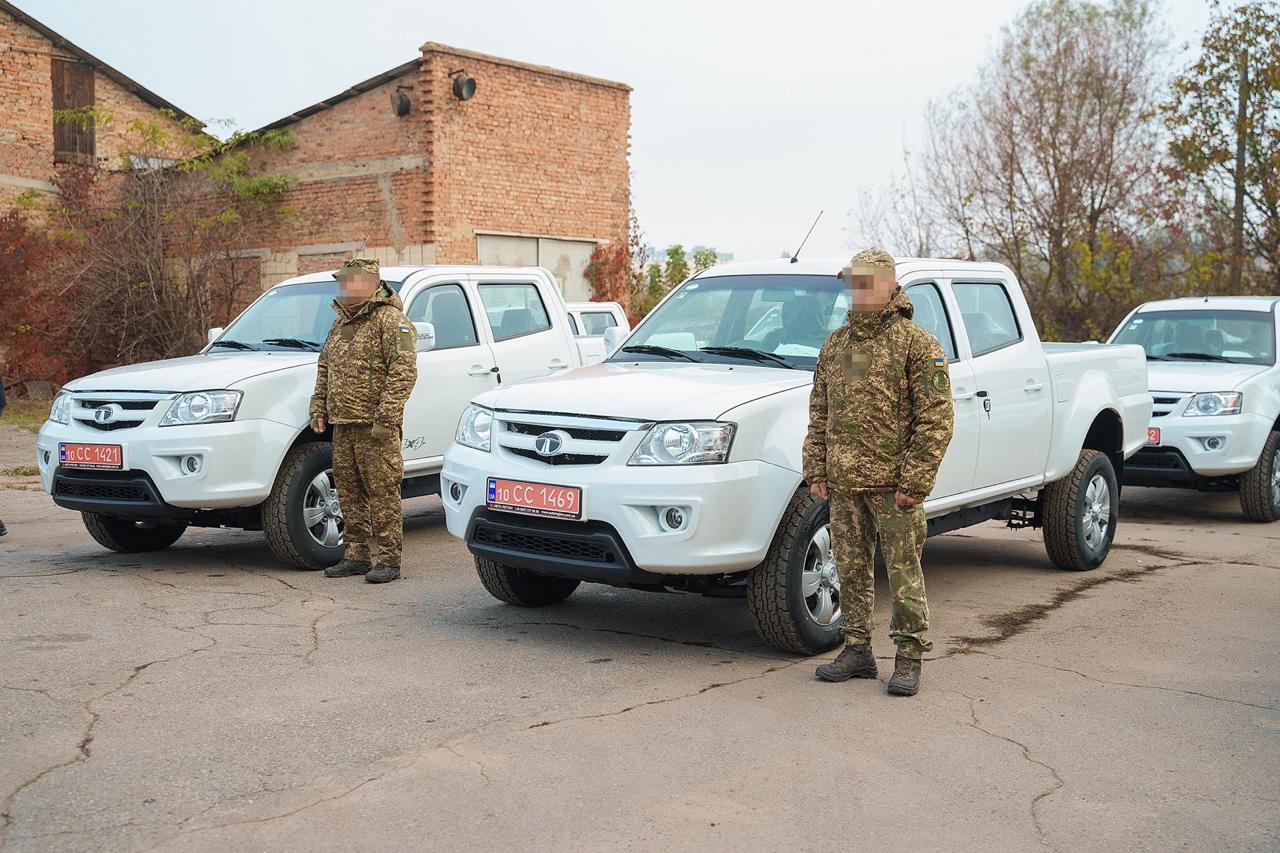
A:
[(531, 170), (41, 72)]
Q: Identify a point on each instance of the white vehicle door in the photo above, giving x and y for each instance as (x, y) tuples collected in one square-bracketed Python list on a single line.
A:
[(527, 340), (955, 475), (459, 367), (1015, 403)]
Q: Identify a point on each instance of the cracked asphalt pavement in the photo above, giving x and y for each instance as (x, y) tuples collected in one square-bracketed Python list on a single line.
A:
[(204, 698)]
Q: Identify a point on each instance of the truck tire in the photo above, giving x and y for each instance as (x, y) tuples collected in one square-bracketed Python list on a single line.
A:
[(522, 588), (130, 537), (1260, 485), (304, 491), (1079, 513), (799, 557)]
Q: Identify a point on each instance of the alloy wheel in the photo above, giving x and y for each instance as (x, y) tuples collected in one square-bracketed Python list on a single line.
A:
[(819, 581), (1095, 516), (321, 510)]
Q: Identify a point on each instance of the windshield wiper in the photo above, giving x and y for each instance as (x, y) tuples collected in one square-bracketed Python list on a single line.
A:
[(651, 349), (747, 352), (296, 343), (232, 345), (1200, 356)]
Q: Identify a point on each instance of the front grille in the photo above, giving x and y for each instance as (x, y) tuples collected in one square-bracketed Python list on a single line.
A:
[(127, 405), (544, 545), (1164, 404), (562, 459), (574, 432), (126, 492), (112, 426)]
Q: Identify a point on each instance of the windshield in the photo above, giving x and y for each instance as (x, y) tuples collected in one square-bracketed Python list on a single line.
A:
[(1241, 337), (288, 317), (772, 320)]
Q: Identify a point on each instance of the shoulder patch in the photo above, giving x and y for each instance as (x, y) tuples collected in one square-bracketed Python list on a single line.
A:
[(407, 338)]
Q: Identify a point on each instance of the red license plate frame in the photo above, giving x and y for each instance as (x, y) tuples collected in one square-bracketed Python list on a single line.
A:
[(524, 497), (97, 457), (1153, 436)]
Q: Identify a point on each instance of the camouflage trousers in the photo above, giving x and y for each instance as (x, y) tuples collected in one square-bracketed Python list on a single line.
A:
[(367, 470), (857, 521)]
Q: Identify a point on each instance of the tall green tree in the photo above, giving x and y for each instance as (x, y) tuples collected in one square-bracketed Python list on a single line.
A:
[(1223, 116), (676, 268), (704, 258)]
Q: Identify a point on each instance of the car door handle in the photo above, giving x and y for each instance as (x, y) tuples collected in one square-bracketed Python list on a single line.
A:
[(1032, 386), (557, 364), (962, 394), (481, 370)]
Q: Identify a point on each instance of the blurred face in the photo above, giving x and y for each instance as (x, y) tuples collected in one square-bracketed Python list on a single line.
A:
[(871, 286), (354, 288)]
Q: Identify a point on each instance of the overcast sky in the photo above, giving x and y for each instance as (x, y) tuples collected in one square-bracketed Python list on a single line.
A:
[(747, 117)]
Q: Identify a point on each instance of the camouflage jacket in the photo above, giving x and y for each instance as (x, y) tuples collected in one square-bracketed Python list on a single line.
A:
[(880, 413), (368, 365)]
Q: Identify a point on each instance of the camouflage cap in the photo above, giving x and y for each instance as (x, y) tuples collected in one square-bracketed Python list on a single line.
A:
[(355, 266), (874, 258)]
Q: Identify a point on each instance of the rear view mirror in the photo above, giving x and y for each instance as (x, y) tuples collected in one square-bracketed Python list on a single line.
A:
[(613, 338), (215, 333), (426, 337)]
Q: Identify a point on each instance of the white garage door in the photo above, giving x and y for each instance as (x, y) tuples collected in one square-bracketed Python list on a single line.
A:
[(567, 259)]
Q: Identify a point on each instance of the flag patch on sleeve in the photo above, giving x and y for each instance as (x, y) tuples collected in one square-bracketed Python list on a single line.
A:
[(939, 361)]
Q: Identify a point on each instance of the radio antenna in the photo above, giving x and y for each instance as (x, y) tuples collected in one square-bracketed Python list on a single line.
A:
[(796, 256)]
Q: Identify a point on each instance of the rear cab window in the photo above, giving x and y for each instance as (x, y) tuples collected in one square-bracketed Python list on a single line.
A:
[(514, 309)]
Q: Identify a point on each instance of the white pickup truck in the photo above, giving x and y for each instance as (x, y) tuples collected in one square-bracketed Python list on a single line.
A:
[(221, 438), (1213, 374), (675, 465)]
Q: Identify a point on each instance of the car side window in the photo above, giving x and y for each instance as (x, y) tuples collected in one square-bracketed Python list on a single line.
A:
[(931, 315), (988, 315), (445, 306), (595, 322), (573, 324), (514, 309)]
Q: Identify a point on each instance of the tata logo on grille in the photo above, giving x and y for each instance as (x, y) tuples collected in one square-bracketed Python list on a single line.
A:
[(550, 443), (106, 414)]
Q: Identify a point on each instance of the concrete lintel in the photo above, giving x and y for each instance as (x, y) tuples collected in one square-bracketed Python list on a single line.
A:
[(327, 248), (312, 173), (487, 233), (27, 184)]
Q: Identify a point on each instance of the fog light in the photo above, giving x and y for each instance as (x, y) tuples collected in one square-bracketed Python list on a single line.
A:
[(455, 492), (192, 464), (1213, 442), (673, 518)]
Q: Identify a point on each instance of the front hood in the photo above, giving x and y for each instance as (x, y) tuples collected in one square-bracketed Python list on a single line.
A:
[(204, 372), (649, 391), (1190, 376)]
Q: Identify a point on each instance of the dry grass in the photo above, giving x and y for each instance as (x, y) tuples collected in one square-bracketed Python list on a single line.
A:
[(20, 471), (28, 414)]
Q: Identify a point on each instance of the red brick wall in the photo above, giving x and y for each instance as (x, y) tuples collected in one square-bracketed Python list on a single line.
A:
[(359, 175), (534, 152)]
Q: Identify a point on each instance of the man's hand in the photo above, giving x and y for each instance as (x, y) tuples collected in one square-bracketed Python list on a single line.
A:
[(318, 424), (821, 491), (906, 501), (380, 431)]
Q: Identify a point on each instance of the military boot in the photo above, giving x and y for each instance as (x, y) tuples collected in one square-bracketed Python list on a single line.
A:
[(383, 574), (906, 676), (852, 662), (347, 568)]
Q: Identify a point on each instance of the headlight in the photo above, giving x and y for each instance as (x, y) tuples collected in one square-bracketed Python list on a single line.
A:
[(475, 428), (203, 407), (60, 411), (685, 444), (1214, 403)]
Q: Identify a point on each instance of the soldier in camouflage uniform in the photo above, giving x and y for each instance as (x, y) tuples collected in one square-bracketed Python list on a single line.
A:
[(880, 419), (366, 370)]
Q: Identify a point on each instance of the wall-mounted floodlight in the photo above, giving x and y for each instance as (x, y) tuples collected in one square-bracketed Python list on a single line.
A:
[(464, 87)]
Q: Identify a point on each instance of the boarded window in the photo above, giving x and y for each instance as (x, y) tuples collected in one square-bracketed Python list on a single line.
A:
[(72, 90)]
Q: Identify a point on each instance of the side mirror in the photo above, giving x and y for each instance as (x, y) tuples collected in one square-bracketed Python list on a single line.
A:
[(215, 333), (426, 336), (613, 338)]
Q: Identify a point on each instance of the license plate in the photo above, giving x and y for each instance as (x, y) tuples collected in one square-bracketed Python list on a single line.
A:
[(1153, 436), (71, 455), (534, 498)]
